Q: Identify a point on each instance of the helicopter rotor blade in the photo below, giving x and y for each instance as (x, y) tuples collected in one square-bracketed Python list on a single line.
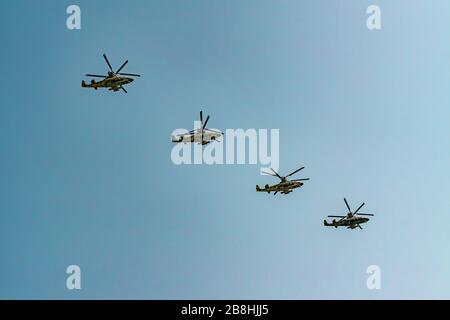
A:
[(305, 179), (269, 173), (348, 207), (336, 216), (365, 214), (95, 75), (109, 64), (359, 208), (204, 125), (295, 172), (121, 67), (129, 74), (276, 174)]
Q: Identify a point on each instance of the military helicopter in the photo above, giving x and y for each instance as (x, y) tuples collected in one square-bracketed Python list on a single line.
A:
[(200, 135), (285, 186), (113, 81), (352, 220)]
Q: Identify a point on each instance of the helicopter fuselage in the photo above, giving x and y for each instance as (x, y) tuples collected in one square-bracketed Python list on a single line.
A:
[(114, 83), (283, 187), (197, 137), (349, 222)]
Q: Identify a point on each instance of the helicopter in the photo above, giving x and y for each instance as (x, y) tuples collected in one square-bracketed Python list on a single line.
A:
[(201, 135), (113, 80), (352, 220), (285, 186)]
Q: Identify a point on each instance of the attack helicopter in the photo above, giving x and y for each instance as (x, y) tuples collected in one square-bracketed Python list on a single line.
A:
[(285, 186), (112, 80), (200, 135), (352, 220)]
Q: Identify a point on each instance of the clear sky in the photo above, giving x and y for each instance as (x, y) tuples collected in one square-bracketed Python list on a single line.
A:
[(86, 176)]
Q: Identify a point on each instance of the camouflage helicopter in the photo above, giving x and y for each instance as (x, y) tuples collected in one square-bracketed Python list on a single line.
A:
[(285, 186), (113, 81), (352, 220), (201, 135)]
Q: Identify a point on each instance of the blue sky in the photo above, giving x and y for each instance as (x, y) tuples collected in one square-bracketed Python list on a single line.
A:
[(86, 176)]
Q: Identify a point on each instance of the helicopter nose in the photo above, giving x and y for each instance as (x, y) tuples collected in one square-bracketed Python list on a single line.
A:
[(131, 80)]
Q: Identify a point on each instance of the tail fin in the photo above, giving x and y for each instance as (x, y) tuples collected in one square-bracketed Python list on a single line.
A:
[(258, 188), (177, 139), (325, 223), (83, 84)]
